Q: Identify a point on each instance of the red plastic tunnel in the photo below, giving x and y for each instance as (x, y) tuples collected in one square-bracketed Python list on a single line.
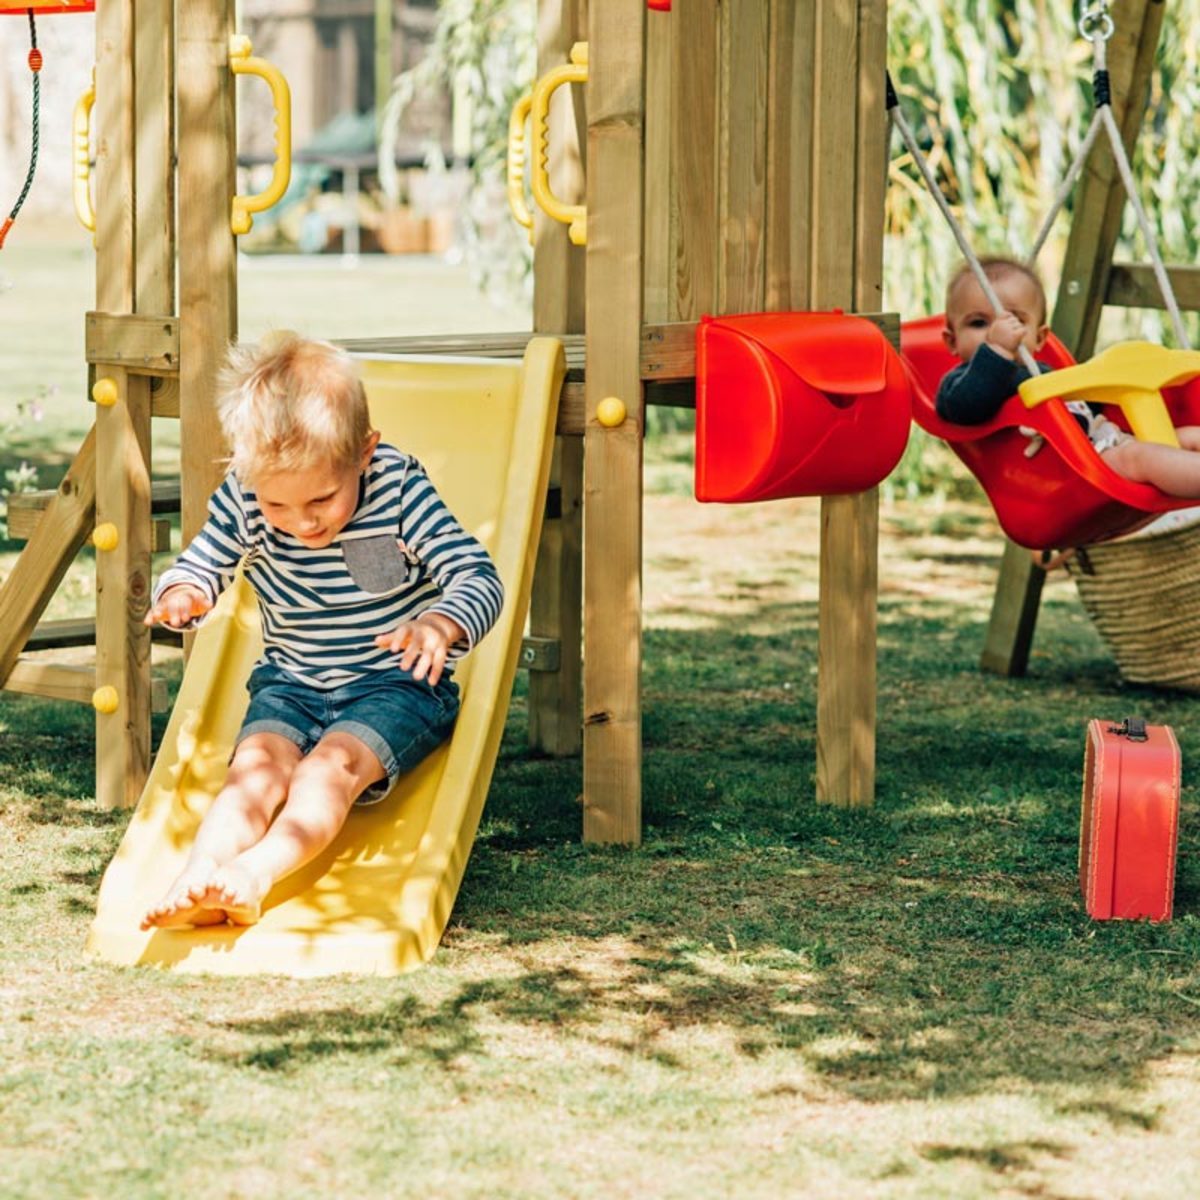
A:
[(796, 404)]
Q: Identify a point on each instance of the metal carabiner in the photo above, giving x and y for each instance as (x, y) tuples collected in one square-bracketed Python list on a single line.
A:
[(1097, 20)]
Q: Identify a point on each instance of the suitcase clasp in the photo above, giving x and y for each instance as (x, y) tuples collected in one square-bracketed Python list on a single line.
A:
[(1134, 728)]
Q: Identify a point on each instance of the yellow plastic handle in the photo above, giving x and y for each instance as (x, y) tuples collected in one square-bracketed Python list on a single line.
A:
[(1129, 375), (516, 163), (81, 134), (241, 63), (574, 216)]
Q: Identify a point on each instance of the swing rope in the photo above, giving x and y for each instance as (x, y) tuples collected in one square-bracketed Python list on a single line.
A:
[(1096, 24), (35, 66), (898, 119)]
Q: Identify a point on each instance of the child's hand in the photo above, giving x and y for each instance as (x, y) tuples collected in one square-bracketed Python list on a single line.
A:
[(425, 642), (1005, 334), (178, 605)]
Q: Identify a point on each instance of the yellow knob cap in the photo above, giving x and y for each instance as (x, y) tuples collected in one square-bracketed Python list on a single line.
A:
[(105, 699), (105, 537), (104, 392), (610, 412)]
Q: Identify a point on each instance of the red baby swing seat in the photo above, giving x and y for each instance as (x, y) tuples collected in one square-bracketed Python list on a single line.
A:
[(1062, 496)]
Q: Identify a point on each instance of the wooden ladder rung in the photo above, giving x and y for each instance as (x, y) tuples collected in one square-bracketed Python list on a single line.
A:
[(25, 511), (67, 681), (81, 631)]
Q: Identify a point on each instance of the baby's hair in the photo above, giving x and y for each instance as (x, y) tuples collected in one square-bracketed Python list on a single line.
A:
[(288, 403), (996, 267)]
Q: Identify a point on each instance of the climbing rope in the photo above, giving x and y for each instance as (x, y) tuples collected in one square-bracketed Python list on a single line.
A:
[(1097, 26), (35, 66)]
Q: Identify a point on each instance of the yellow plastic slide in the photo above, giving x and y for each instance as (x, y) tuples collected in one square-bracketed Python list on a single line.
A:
[(378, 900)]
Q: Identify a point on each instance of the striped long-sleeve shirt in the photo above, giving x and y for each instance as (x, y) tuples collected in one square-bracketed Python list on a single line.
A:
[(401, 554)]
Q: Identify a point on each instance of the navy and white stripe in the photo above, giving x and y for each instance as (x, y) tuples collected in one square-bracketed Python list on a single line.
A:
[(318, 623)]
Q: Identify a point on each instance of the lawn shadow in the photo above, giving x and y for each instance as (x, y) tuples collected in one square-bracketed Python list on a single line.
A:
[(933, 945)]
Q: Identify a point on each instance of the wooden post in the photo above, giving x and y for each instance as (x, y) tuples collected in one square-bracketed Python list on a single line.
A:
[(790, 155), (661, 31), (612, 741), (207, 252), (556, 605), (1083, 286), (123, 589), (846, 272), (742, 154), (135, 270), (1014, 613), (693, 164)]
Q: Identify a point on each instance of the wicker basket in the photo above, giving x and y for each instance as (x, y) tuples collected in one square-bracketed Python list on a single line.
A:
[(1143, 593)]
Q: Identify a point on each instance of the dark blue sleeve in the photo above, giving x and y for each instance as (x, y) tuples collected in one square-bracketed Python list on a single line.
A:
[(974, 392)]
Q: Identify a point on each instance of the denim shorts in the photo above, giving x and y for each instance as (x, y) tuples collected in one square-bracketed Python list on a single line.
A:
[(399, 719)]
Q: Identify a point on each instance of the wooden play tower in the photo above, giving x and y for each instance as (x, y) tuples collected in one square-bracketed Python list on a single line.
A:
[(731, 158)]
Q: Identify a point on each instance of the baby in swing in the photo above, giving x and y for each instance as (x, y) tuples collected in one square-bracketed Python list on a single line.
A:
[(990, 373)]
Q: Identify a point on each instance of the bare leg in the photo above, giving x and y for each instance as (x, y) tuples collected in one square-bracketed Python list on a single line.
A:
[(254, 789), (323, 787), (1171, 469)]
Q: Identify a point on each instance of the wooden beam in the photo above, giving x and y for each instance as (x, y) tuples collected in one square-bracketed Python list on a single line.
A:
[(1014, 613), (742, 150), (559, 292), (23, 521), (846, 264), (153, 149), (164, 396), (668, 352), (790, 155), (540, 655), (146, 344), (612, 730), (1132, 285), (26, 507), (65, 681), (123, 591), (113, 120), (693, 164), (129, 337), (661, 31), (40, 567), (81, 631), (52, 681), (207, 151)]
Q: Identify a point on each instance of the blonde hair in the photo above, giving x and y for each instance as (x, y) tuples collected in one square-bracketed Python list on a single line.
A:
[(997, 267), (289, 403)]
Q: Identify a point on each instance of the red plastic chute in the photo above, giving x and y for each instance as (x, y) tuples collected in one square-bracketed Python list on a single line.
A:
[(1064, 495), (796, 404)]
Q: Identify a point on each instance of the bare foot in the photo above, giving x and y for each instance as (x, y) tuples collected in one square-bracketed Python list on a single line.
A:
[(181, 906), (234, 894)]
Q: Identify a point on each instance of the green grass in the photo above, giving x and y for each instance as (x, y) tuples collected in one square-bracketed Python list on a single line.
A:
[(768, 998)]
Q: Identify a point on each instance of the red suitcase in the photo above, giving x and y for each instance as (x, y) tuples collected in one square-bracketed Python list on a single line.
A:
[(1130, 825)]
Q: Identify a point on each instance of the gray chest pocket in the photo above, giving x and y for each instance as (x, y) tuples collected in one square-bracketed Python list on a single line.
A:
[(377, 564)]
